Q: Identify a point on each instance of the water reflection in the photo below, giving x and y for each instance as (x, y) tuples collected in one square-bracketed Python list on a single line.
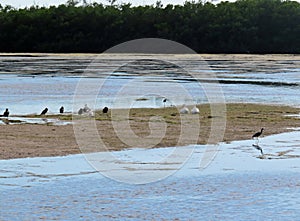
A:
[(258, 148), (28, 120)]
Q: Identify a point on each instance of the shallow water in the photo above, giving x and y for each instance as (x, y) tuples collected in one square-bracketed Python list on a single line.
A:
[(222, 197), (237, 185), (28, 120), (29, 84)]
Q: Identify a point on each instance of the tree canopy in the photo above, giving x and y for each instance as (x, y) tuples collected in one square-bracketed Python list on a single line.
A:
[(244, 26)]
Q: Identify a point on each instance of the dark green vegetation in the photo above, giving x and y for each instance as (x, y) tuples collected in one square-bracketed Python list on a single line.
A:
[(245, 26)]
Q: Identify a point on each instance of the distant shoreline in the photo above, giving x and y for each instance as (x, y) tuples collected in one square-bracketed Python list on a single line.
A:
[(170, 57), (243, 120)]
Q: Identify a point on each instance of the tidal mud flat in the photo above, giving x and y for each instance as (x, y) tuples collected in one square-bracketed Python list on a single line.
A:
[(259, 91), (241, 122)]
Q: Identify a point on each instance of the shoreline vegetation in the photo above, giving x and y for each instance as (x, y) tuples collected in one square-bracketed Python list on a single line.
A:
[(242, 121), (243, 26)]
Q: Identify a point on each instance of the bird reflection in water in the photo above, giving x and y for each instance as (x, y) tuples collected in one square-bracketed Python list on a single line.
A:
[(256, 146)]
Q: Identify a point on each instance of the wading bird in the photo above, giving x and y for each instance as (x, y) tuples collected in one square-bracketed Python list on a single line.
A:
[(256, 135), (61, 110), (44, 111), (164, 101), (80, 111), (195, 110), (105, 110), (6, 113), (86, 109), (184, 110)]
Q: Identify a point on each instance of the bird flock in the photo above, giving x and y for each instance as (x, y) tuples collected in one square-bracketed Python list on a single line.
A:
[(88, 111), (84, 110), (184, 110)]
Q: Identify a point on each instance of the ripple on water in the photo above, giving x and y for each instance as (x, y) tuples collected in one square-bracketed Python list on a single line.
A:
[(235, 186), (227, 197)]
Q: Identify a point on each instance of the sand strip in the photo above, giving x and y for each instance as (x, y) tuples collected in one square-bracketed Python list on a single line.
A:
[(242, 121)]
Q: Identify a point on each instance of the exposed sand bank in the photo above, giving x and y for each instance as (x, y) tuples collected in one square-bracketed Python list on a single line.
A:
[(242, 121)]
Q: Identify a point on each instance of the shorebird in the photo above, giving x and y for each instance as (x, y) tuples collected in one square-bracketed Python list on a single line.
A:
[(184, 110), (44, 111), (80, 111), (195, 110), (256, 135), (61, 110), (6, 113), (105, 110), (86, 109), (164, 101)]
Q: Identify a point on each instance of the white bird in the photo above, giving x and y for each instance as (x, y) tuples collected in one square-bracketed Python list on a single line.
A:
[(195, 110), (90, 114), (184, 110)]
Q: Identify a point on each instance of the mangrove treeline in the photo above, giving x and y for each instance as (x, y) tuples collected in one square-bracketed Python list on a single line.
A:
[(244, 26)]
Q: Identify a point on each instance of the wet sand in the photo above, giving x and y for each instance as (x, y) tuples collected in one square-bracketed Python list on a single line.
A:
[(43, 63), (242, 121)]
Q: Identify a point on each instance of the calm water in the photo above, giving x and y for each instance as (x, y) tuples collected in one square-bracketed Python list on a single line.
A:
[(223, 197), (28, 84), (237, 185)]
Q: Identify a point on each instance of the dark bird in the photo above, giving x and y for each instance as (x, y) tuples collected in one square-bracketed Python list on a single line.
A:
[(61, 110), (256, 135), (44, 111), (164, 101), (6, 113), (80, 111), (258, 148), (86, 109), (105, 110)]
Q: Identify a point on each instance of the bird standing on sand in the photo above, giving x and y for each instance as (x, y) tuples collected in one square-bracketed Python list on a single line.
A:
[(256, 135), (195, 110), (44, 111), (80, 111), (105, 110), (61, 110), (184, 110), (6, 113), (86, 109)]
